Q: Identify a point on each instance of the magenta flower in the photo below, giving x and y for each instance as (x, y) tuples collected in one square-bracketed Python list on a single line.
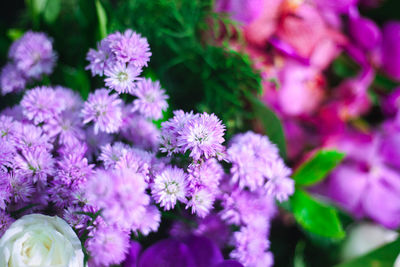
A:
[(391, 49)]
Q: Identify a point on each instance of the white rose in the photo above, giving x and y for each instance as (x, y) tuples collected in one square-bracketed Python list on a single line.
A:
[(39, 240)]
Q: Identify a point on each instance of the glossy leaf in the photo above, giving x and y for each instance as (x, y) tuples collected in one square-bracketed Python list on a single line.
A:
[(316, 217), (384, 256), (318, 167)]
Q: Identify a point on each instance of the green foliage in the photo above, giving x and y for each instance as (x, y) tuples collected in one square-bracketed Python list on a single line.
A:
[(51, 10), (384, 256), (102, 17), (316, 217), (317, 167), (196, 73)]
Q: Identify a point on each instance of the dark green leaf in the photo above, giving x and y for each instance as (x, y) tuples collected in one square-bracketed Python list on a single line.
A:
[(77, 79), (52, 10), (102, 17), (318, 167), (316, 217), (271, 123), (384, 256)]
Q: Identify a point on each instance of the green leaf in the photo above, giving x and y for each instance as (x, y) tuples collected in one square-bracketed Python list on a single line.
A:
[(384, 256), (271, 123), (76, 79), (316, 217), (15, 34), (102, 17), (52, 10), (318, 167)]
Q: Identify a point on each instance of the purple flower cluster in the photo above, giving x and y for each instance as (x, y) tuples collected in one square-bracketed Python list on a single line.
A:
[(108, 181), (121, 58), (31, 56)]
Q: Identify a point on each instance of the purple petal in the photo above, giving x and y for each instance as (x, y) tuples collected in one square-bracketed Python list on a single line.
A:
[(133, 255), (205, 252), (229, 263), (167, 253), (391, 49)]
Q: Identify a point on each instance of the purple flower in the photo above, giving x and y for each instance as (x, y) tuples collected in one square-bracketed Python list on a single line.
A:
[(5, 190), (121, 196), (194, 251), (28, 136), (36, 162), (111, 154), (214, 228), (364, 183), (136, 160), (95, 141), (140, 131), (8, 127), (391, 49), (130, 47), (99, 58), (168, 252), (73, 171), (33, 54), (364, 31), (206, 174), (104, 110), (108, 245), (68, 127), (122, 77), (171, 129), (248, 208), (251, 248), (242, 11), (203, 136), (391, 104), (250, 155), (169, 186), (279, 184), (68, 99), (5, 222), (7, 153), (40, 104), (151, 100), (201, 202), (11, 79), (21, 187), (150, 220)]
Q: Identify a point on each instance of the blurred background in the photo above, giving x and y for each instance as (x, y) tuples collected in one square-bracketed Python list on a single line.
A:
[(311, 75)]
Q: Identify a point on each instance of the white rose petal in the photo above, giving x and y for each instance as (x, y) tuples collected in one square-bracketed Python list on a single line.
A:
[(40, 240)]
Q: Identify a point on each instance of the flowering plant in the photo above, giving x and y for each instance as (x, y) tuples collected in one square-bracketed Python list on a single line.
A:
[(112, 175), (140, 144)]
